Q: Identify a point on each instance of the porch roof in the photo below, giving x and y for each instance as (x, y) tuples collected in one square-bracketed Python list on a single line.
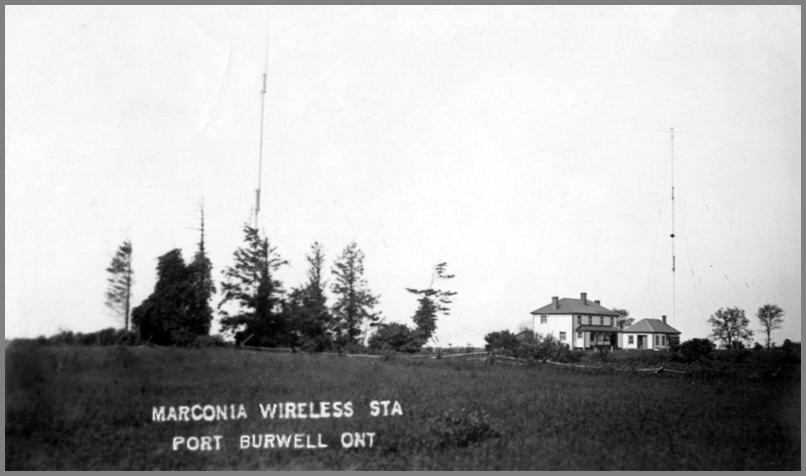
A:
[(590, 328)]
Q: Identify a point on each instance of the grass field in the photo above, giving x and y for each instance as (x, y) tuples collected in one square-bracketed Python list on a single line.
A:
[(90, 408)]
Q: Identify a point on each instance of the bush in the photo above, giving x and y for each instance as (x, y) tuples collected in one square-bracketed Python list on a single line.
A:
[(461, 429), (209, 341), (547, 348), (354, 348), (571, 356), (694, 349), (395, 337), (732, 356), (64, 337), (502, 342), (602, 354), (109, 336)]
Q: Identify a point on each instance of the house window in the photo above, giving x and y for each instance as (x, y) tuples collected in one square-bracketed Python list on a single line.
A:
[(544, 318), (562, 335), (607, 321), (590, 319), (663, 340), (629, 339), (579, 320)]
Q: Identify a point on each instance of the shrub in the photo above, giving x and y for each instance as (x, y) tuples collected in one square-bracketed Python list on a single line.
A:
[(395, 337), (462, 428), (571, 356), (209, 341), (64, 337), (602, 354), (354, 348), (502, 342), (674, 344), (694, 349), (546, 348), (109, 336)]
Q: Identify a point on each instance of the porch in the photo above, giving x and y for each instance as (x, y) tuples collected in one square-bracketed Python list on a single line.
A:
[(592, 337)]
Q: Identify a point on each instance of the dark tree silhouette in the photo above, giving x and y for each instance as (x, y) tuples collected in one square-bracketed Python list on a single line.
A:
[(202, 288), (730, 326), (432, 302), (250, 285), (118, 296), (354, 301), (771, 317), (312, 317), (163, 316)]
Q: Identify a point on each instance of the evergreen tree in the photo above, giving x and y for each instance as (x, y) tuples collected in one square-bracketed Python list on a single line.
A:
[(178, 311), (250, 284), (161, 319), (313, 317), (432, 303), (118, 296), (202, 289), (354, 301)]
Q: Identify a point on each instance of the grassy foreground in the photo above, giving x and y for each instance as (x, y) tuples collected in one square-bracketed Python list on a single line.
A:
[(90, 408)]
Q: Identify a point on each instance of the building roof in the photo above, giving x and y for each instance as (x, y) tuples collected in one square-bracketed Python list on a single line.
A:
[(575, 306), (652, 325), (590, 328)]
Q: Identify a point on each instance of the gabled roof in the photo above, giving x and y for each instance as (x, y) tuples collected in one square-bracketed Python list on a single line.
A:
[(575, 306), (652, 325)]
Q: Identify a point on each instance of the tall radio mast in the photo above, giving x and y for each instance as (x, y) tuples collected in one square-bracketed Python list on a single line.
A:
[(260, 151), (674, 264)]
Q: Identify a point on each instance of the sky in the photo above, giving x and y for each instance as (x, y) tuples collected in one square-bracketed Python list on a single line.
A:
[(527, 147)]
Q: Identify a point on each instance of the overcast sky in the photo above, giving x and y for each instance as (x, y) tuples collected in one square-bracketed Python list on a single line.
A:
[(522, 145)]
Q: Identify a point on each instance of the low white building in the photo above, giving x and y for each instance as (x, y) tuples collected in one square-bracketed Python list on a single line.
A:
[(650, 334), (579, 323)]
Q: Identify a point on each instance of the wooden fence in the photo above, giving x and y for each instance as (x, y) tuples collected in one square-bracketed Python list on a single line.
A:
[(488, 356)]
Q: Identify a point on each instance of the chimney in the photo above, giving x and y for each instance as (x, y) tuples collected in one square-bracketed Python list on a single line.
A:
[(584, 298), (664, 319), (597, 302), (555, 303)]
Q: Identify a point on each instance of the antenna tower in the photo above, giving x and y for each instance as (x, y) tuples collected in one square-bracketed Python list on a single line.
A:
[(260, 151), (674, 267)]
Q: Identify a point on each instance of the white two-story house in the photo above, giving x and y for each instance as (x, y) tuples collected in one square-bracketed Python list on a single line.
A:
[(578, 323)]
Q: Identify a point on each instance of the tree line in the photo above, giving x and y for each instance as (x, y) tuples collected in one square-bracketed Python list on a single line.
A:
[(731, 327), (257, 310)]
